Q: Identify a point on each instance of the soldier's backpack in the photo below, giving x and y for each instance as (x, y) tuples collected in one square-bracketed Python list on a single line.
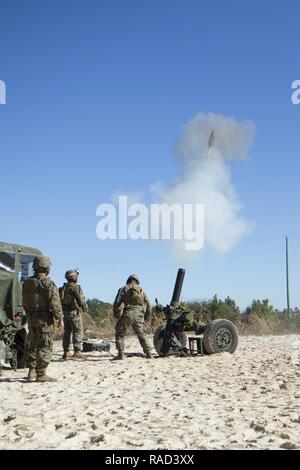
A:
[(67, 297), (134, 295), (36, 294)]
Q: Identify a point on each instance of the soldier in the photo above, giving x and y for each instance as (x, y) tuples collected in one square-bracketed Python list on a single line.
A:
[(73, 304), (136, 307), (42, 306)]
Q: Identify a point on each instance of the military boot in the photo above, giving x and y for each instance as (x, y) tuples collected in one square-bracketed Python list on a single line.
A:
[(78, 355), (148, 354), (45, 378), (31, 375), (119, 357), (67, 355)]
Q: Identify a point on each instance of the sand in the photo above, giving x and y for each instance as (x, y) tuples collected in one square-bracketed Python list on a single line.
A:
[(248, 400)]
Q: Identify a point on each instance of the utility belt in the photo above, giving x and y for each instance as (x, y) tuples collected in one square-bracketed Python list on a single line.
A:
[(129, 307), (73, 312), (37, 316), (32, 310)]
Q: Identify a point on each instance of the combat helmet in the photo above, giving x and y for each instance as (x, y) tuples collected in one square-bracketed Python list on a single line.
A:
[(72, 274), (41, 263), (133, 277)]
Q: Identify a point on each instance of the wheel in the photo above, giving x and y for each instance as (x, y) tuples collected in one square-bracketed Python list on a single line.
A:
[(159, 338), (220, 336)]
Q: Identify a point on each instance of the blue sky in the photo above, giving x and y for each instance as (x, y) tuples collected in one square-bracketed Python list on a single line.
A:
[(98, 93)]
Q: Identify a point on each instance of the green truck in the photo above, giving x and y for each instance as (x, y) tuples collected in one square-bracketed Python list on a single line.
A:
[(15, 266)]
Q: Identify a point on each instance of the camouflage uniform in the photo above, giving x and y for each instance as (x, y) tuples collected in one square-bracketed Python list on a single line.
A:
[(134, 314), (73, 303), (42, 306)]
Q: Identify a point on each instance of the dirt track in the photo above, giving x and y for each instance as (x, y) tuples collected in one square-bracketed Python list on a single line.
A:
[(247, 400)]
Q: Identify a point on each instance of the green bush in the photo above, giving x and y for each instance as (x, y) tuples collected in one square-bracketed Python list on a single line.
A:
[(215, 308), (274, 321), (101, 313)]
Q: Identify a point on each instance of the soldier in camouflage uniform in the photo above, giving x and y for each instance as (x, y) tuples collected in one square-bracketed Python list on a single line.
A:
[(42, 306), (73, 303), (136, 307)]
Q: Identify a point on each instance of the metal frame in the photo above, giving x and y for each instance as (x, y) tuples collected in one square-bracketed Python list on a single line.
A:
[(198, 342)]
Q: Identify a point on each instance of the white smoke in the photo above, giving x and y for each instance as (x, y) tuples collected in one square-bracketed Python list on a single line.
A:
[(206, 179), (232, 138)]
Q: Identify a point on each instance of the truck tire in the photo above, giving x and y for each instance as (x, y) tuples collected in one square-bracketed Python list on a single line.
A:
[(220, 336), (159, 337)]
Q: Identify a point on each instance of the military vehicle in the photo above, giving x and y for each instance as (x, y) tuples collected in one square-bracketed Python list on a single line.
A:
[(15, 266), (171, 338)]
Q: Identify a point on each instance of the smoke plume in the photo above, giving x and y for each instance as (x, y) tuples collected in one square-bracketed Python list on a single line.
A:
[(206, 179)]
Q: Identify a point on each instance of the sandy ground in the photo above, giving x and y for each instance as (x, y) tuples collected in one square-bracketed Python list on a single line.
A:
[(247, 400)]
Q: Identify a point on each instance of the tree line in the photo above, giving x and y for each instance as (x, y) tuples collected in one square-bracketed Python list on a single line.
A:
[(267, 318)]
